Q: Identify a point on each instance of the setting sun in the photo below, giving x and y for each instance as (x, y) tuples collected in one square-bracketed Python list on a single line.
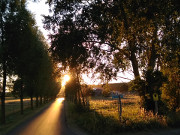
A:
[(65, 79)]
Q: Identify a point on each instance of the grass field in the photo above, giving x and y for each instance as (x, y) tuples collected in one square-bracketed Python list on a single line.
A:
[(131, 111), (12, 105), (109, 106), (103, 117)]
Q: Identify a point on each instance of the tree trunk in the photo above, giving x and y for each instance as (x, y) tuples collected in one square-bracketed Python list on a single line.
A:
[(152, 59), (153, 54), (32, 102), (82, 98), (3, 93), (41, 100), (44, 100), (4, 64), (134, 65), (21, 97), (133, 58), (37, 101)]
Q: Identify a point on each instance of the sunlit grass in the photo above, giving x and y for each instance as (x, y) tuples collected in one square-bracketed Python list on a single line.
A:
[(103, 116), (12, 105), (109, 107), (132, 114)]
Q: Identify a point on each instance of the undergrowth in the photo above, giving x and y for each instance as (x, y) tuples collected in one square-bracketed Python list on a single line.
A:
[(103, 117)]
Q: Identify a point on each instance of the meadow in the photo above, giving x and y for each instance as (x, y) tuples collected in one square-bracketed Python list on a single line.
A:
[(103, 116), (131, 111), (12, 105)]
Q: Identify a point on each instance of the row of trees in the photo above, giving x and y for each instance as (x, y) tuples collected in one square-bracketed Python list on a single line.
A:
[(109, 36), (23, 52)]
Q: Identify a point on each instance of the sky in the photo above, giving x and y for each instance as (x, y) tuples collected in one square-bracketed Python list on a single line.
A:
[(39, 8)]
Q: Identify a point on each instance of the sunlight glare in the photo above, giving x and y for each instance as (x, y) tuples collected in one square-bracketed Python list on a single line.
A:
[(59, 100), (66, 78)]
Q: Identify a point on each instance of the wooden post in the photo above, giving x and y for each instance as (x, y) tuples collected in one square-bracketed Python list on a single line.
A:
[(120, 108), (155, 98), (156, 108)]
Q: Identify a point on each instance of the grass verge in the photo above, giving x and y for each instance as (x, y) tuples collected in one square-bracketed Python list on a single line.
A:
[(102, 118)]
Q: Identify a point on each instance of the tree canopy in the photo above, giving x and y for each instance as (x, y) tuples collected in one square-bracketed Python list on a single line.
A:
[(111, 36), (24, 53)]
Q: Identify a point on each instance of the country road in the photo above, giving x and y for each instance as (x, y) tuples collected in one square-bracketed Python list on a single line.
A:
[(49, 122)]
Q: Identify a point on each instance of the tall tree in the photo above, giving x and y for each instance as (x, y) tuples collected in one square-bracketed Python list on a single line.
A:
[(21, 44), (125, 33), (3, 58), (170, 56)]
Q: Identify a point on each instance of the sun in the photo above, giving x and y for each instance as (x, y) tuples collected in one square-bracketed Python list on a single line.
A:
[(65, 79)]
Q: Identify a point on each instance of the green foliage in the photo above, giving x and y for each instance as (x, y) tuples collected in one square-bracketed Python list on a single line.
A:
[(171, 89), (86, 90), (72, 89), (137, 85), (16, 88), (23, 52), (106, 91), (116, 35), (170, 61), (77, 93), (29, 56), (146, 88)]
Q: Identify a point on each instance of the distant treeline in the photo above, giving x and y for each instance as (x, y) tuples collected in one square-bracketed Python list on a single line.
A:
[(121, 87)]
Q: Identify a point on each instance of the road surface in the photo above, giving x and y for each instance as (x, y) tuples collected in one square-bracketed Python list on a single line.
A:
[(50, 122)]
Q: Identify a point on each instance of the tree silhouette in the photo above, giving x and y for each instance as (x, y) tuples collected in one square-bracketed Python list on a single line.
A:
[(134, 33)]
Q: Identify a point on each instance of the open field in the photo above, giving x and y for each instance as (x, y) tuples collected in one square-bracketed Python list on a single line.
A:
[(103, 117), (109, 107), (12, 105), (131, 111)]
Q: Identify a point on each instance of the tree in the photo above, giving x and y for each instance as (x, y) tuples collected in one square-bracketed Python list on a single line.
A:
[(170, 56), (137, 31), (23, 52), (20, 45), (131, 31), (5, 8), (28, 53)]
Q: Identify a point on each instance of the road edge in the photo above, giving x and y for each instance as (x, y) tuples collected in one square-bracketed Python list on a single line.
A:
[(74, 128)]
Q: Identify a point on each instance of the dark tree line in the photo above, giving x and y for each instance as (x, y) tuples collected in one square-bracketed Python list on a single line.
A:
[(110, 36), (24, 53)]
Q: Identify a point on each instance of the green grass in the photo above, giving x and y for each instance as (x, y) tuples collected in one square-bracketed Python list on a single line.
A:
[(15, 107), (12, 105), (131, 112), (103, 117)]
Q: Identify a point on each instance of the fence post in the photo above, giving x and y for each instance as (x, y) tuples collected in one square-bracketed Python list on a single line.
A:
[(156, 107), (120, 108)]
